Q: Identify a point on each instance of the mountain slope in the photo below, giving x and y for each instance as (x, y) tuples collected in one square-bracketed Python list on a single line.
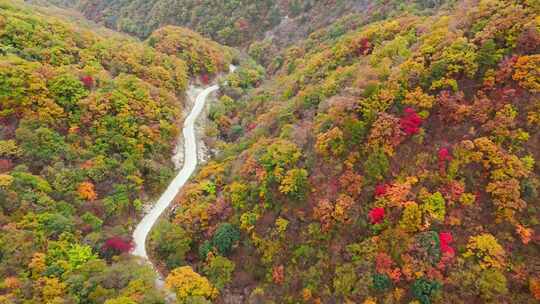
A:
[(88, 123), (235, 23), (387, 152), (393, 163)]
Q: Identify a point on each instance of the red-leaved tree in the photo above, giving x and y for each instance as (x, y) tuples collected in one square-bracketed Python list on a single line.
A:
[(444, 157), (5, 165), (205, 79), (410, 123), (376, 215), (381, 190), (117, 245), (363, 47), (446, 239), (88, 81)]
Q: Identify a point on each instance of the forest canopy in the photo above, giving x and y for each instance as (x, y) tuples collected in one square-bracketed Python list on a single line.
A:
[(381, 152), (87, 125)]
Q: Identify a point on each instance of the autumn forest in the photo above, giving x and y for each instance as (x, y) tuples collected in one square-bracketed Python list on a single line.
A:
[(353, 151)]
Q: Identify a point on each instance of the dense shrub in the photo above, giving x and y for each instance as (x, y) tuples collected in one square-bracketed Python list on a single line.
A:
[(376, 165), (423, 289), (171, 243), (381, 282), (225, 238)]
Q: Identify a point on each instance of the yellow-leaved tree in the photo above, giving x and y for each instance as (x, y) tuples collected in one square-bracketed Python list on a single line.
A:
[(487, 250), (187, 284)]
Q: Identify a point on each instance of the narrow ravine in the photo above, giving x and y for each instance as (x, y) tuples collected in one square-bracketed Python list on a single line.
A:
[(140, 234)]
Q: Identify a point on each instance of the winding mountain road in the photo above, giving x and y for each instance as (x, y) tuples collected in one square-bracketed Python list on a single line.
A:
[(190, 163), (140, 234)]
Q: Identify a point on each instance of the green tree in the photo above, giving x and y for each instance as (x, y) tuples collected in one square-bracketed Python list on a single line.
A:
[(488, 55), (40, 144), (345, 280), (492, 285), (377, 165), (225, 237), (67, 91), (423, 289), (219, 271), (381, 282), (295, 183), (78, 255), (278, 156), (204, 249), (93, 221), (434, 205), (171, 243), (55, 224)]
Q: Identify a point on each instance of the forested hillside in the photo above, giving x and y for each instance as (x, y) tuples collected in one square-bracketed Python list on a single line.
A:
[(237, 22), (362, 152), (87, 127), (393, 161)]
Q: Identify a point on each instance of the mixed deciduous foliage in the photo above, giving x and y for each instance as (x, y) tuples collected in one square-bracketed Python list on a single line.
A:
[(87, 125), (202, 55), (237, 22), (390, 157), (414, 142)]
